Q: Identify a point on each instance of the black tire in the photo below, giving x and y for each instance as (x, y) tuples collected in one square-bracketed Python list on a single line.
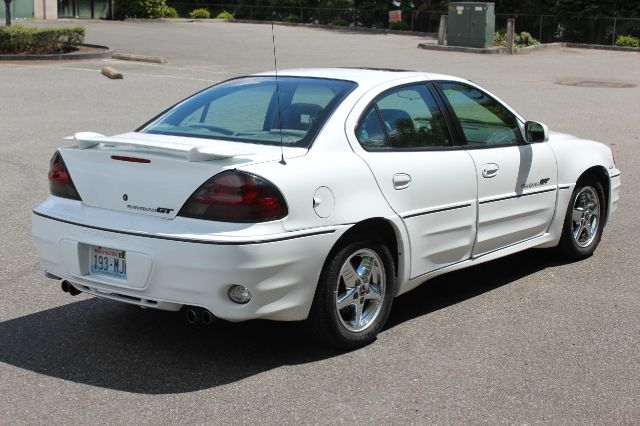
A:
[(332, 326), (569, 247)]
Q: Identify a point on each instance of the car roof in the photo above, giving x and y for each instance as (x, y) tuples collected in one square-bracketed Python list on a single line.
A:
[(367, 77)]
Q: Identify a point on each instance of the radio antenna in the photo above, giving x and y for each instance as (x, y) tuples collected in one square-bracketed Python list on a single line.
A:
[(275, 65)]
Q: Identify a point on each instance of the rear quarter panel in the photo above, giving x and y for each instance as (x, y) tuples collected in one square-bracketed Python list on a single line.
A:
[(351, 193)]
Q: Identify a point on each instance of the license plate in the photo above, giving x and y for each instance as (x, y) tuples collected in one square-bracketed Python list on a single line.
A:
[(108, 262)]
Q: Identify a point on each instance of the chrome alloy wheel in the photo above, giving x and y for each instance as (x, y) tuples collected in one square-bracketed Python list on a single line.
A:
[(360, 290), (586, 216)]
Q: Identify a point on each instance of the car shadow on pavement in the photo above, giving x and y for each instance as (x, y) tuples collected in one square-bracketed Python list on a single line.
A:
[(116, 346), (122, 347), (455, 287)]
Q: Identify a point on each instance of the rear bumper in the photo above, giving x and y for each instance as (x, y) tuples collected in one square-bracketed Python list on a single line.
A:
[(281, 271)]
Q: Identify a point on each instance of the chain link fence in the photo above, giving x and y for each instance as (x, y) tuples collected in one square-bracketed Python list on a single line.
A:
[(550, 28), (546, 28)]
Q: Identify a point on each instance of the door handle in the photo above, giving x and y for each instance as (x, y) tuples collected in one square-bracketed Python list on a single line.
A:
[(401, 180), (490, 170)]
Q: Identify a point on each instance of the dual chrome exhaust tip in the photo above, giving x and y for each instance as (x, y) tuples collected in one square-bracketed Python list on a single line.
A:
[(195, 315)]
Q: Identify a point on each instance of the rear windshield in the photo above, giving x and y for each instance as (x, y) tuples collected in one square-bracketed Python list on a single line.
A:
[(255, 110)]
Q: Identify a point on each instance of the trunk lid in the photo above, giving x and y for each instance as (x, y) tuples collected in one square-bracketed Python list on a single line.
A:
[(173, 168)]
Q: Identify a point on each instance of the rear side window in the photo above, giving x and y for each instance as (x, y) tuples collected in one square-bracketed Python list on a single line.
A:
[(404, 118), (484, 121), (370, 132)]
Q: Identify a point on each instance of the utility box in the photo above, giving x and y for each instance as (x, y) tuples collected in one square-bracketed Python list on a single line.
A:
[(471, 24)]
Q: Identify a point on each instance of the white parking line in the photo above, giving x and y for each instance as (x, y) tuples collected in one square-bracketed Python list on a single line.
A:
[(126, 73)]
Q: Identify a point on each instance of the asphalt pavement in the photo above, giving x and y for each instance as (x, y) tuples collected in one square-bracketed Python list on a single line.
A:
[(522, 340)]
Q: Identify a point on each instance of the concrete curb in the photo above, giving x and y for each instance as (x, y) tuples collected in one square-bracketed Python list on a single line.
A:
[(602, 47), (111, 73), (445, 48), (62, 56), (523, 50), (159, 20), (139, 58), (489, 50)]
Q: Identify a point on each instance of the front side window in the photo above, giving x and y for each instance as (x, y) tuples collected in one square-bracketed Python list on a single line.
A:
[(484, 121), (256, 109), (406, 117)]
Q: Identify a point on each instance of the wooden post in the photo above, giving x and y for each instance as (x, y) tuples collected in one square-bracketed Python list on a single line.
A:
[(442, 30), (511, 25)]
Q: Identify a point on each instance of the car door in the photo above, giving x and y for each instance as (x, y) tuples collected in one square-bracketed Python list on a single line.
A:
[(517, 181), (426, 178)]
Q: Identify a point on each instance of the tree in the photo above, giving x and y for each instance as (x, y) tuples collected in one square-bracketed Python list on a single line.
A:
[(597, 8), (7, 12)]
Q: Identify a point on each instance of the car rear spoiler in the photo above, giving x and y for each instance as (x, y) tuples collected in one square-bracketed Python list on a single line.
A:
[(193, 152)]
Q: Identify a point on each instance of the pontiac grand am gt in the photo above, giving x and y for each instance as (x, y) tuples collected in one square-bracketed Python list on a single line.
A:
[(317, 195)]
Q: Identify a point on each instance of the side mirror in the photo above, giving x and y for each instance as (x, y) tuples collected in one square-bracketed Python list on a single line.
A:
[(536, 132)]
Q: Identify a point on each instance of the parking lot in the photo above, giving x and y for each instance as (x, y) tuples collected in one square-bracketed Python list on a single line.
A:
[(525, 339)]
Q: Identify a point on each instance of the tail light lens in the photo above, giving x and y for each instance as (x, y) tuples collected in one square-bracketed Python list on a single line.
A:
[(235, 196), (60, 182)]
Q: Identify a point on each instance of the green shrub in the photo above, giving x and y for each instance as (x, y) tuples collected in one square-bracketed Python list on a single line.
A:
[(340, 22), (140, 9), (294, 19), (628, 41), (170, 12), (524, 39), (500, 39), (19, 39), (400, 25), (225, 15), (199, 14)]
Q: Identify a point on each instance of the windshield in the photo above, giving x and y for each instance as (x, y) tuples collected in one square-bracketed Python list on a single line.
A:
[(250, 110)]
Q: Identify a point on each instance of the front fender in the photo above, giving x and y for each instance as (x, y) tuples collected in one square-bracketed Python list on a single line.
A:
[(574, 156)]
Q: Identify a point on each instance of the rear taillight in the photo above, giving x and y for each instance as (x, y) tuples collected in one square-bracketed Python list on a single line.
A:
[(235, 196), (60, 182)]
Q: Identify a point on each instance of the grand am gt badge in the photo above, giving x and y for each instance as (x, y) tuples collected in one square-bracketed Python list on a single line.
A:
[(542, 182), (150, 209), (164, 210)]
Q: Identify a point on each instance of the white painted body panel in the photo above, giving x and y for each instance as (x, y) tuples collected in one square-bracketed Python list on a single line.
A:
[(167, 181), (440, 223), (509, 212), (329, 189), (438, 207)]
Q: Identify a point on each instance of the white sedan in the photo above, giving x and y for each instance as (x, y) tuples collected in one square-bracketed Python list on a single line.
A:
[(317, 195)]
